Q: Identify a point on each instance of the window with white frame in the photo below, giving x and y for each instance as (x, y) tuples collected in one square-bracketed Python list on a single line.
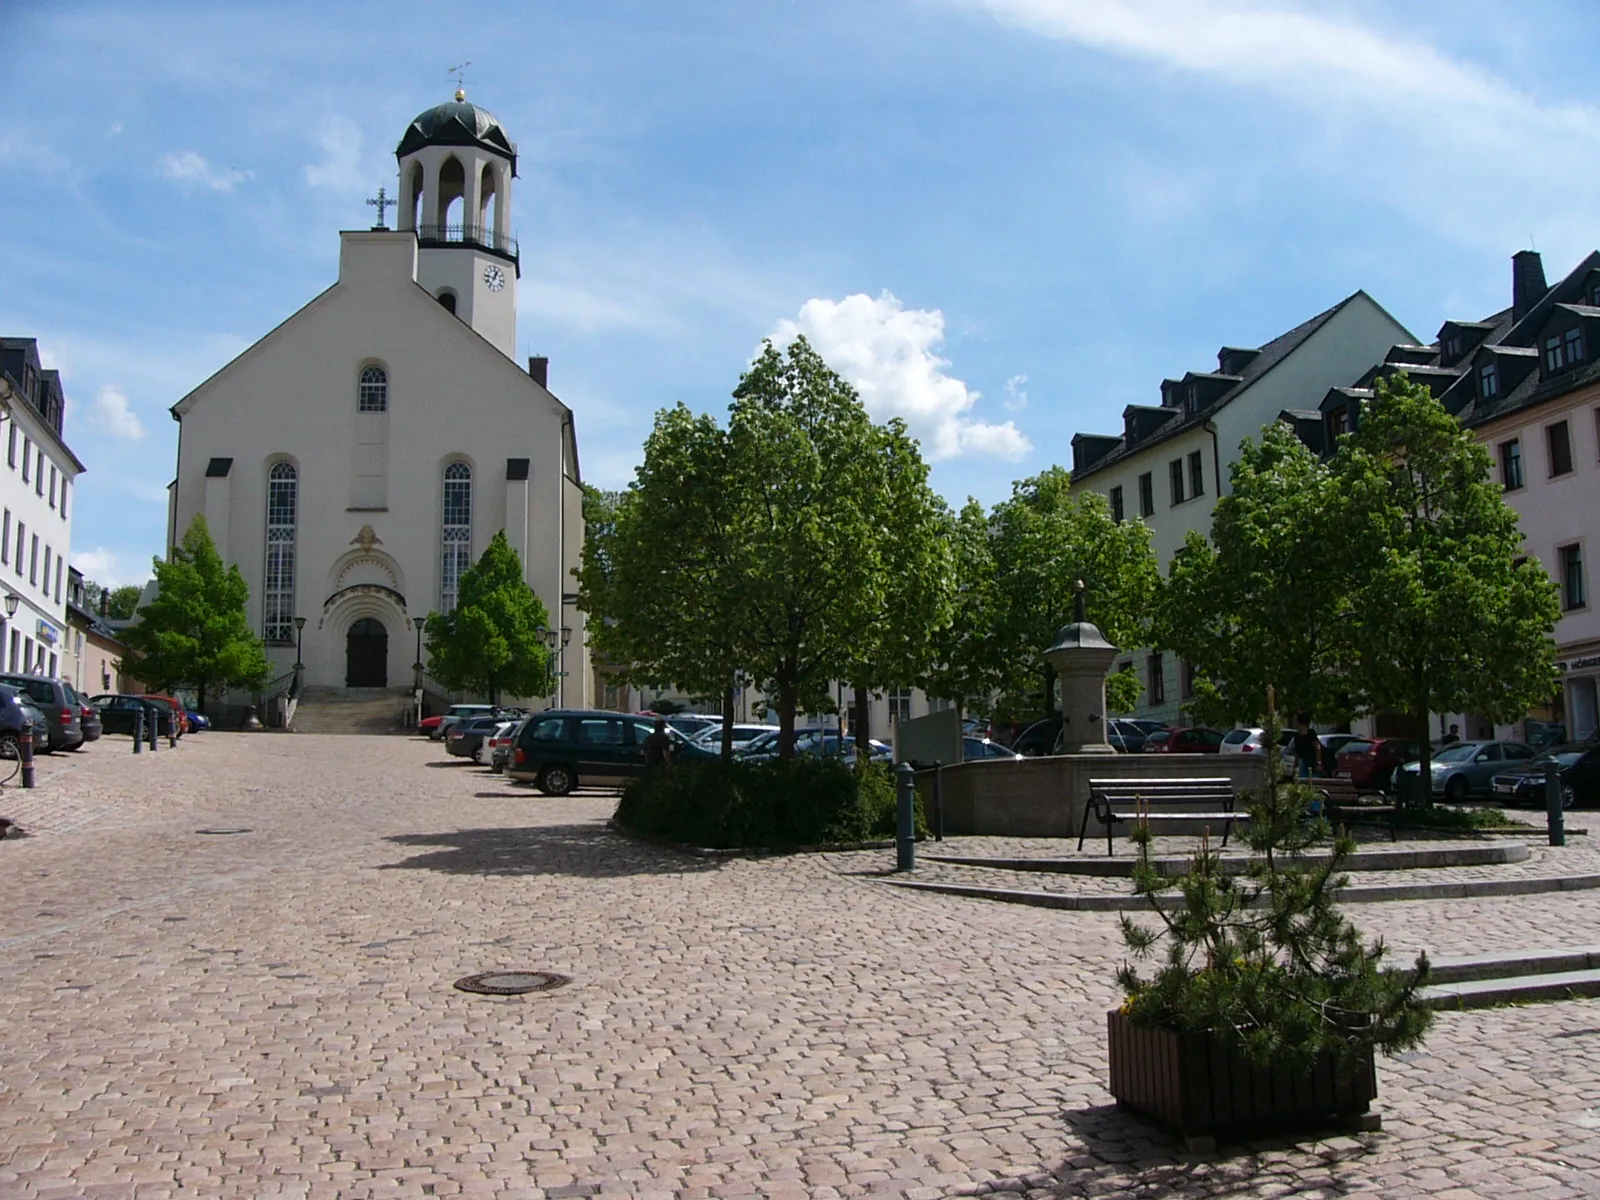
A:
[(277, 595), (1488, 381), (374, 390), (456, 536), (1574, 587), (1552, 353), (1572, 345), (900, 705)]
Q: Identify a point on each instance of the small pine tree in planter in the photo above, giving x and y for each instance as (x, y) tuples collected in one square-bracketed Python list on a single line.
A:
[(1269, 1006)]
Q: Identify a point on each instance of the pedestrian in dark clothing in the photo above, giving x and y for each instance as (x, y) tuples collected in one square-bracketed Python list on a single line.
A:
[(1453, 738), (1307, 748), (658, 747)]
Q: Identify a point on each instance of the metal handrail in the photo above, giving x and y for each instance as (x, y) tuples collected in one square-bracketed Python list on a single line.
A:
[(469, 234), (278, 686)]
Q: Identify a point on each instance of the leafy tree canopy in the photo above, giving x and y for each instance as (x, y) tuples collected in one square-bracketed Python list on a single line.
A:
[(195, 633), (492, 643), (121, 602)]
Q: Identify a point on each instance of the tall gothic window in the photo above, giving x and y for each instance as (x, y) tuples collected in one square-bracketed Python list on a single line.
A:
[(283, 485), (374, 395), (457, 535)]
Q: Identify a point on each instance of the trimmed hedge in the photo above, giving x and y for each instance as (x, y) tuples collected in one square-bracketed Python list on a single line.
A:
[(806, 801)]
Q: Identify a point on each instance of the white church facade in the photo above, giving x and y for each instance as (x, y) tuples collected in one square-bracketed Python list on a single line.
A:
[(356, 459)]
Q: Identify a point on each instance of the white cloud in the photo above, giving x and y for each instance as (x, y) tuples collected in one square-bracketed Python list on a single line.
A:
[(1016, 395), (1394, 111), (111, 413), (340, 169), (115, 130), (106, 567), (189, 169), (887, 352)]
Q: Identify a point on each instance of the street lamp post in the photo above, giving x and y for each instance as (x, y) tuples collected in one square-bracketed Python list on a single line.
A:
[(12, 600), (419, 624), (299, 647)]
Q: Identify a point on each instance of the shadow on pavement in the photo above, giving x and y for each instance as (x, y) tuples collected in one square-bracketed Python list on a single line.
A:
[(589, 850), (1124, 1155)]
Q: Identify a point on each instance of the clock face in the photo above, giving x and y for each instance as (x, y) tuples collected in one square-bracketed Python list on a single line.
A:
[(494, 278)]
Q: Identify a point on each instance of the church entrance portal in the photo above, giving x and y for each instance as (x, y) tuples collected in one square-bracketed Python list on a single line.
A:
[(366, 654)]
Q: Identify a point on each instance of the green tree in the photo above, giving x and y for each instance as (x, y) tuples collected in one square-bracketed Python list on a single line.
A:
[(1265, 601), (1446, 614), (121, 602), (909, 594), (195, 633), (658, 575), (1044, 541), (963, 654), (807, 564), (492, 643)]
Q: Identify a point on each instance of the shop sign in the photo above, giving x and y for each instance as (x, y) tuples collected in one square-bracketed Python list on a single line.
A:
[(1579, 664), (47, 633)]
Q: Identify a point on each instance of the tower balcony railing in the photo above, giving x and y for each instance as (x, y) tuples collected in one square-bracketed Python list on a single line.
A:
[(483, 237)]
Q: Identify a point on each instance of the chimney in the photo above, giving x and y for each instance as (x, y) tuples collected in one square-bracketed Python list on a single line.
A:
[(539, 367), (105, 602), (1527, 282)]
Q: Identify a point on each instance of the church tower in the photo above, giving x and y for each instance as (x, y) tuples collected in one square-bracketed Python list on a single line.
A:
[(456, 168)]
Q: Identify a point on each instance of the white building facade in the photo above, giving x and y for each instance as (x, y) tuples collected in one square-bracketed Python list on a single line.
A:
[(37, 478), (360, 456)]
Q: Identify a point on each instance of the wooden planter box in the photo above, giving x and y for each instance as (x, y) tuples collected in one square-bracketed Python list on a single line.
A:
[(1190, 1082)]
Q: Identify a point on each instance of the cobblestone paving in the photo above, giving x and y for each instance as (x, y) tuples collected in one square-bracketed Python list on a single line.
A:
[(270, 1013)]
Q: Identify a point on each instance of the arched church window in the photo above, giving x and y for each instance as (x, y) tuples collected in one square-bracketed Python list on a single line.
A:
[(447, 298), (283, 487), (374, 395), (457, 533)]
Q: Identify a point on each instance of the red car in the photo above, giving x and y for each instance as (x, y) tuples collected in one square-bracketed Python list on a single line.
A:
[(428, 724), (1193, 740), (1370, 763)]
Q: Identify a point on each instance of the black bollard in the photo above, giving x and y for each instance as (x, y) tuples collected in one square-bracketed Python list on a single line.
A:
[(172, 730), (138, 733), (154, 727), (25, 754), (1555, 818), (938, 801), (906, 825)]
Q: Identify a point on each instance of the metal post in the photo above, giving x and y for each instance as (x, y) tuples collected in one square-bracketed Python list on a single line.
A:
[(25, 754), (906, 832), (172, 730), (138, 733), (938, 801), (1554, 817), (153, 725)]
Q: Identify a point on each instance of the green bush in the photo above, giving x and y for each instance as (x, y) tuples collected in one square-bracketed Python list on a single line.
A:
[(779, 805)]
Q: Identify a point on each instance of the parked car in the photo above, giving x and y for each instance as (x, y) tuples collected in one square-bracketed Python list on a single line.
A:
[(1467, 768), (434, 728), (52, 698), (1578, 763), (692, 725), (1146, 725), (463, 735), (88, 718), (483, 752), (560, 750), (1125, 735), (1194, 739), (975, 748), (17, 721), (1332, 743), (198, 722), (175, 712), (502, 743), (121, 713), (765, 745), (1038, 739), (1370, 762), (824, 743), (743, 735), (1251, 741)]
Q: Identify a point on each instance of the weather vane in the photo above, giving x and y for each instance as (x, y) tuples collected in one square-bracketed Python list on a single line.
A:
[(460, 73)]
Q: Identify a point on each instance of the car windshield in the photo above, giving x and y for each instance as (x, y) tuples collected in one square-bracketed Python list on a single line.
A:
[(1237, 736), (1357, 748), (1461, 753), (1563, 756)]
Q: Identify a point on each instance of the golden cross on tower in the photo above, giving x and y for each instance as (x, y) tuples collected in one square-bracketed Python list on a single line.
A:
[(460, 72), (381, 203)]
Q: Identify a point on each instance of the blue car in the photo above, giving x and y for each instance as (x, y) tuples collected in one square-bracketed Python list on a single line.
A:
[(198, 722)]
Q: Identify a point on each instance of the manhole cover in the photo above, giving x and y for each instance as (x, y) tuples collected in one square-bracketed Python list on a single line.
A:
[(226, 829), (512, 983)]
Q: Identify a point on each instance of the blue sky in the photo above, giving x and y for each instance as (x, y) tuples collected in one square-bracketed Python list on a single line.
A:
[(1005, 218)]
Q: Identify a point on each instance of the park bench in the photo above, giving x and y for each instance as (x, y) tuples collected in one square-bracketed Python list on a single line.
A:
[(1341, 804), (1203, 802)]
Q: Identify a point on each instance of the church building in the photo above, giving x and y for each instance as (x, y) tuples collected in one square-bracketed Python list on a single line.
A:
[(360, 456)]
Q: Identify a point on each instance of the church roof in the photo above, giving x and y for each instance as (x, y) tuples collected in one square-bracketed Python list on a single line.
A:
[(456, 123)]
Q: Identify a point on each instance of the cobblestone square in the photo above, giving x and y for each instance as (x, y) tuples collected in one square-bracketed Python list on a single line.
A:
[(270, 1013)]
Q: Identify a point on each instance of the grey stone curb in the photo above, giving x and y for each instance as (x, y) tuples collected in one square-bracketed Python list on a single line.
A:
[(1350, 895), (1362, 860), (745, 851)]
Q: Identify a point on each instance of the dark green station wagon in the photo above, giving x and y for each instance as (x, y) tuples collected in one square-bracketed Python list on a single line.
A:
[(561, 748)]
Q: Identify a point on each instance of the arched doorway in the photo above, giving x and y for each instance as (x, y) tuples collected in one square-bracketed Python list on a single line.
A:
[(366, 654)]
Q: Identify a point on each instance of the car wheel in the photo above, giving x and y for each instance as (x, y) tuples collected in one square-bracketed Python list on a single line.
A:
[(1568, 796), (1455, 789), (8, 746), (556, 781)]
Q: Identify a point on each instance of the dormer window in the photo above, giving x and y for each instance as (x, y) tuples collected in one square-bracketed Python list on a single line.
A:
[(1452, 345), (1191, 399), (1552, 354), (1573, 346), (1488, 381)]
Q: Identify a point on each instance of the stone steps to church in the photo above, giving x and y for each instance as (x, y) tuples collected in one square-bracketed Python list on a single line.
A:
[(348, 710)]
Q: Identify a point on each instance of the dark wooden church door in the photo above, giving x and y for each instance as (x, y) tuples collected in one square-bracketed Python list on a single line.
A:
[(366, 654)]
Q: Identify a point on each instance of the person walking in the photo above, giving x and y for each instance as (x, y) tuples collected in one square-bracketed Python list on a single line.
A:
[(1453, 738), (658, 747), (1307, 748)]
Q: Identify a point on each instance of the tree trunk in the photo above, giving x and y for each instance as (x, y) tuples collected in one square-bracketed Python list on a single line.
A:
[(786, 705), (863, 730), (1425, 763), (727, 723)]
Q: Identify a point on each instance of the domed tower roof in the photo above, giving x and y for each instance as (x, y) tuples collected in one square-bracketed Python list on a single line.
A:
[(457, 123)]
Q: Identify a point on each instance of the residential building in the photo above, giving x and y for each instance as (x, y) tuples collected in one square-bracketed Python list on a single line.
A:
[(1172, 459), (37, 499), (92, 661)]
